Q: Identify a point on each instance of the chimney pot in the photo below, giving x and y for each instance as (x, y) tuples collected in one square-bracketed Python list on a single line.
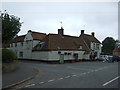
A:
[(82, 32), (93, 34)]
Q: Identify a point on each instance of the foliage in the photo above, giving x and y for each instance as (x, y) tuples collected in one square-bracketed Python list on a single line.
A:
[(8, 56), (10, 26), (108, 45), (117, 43)]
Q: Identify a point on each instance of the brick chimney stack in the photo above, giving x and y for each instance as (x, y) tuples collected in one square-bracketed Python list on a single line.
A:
[(93, 34), (61, 31), (82, 32)]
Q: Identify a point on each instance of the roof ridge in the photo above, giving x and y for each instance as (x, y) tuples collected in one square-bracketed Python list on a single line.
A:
[(38, 32)]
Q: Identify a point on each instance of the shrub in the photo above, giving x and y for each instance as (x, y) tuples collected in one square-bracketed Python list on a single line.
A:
[(8, 56)]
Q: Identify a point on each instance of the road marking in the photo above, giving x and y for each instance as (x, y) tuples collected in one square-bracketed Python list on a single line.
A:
[(30, 85), (51, 80), (67, 76), (78, 68), (83, 73), (111, 81), (92, 70), (60, 78), (100, 69), (96, 70), (41, 82), (74, 75), (88, 72)]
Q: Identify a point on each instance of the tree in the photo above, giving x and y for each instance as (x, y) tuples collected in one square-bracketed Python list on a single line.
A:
[(10, 26), (117, 43), (108, 45)]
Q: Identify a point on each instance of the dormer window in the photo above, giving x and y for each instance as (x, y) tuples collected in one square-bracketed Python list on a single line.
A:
[(15, 44), (80, 47), (41, 44)]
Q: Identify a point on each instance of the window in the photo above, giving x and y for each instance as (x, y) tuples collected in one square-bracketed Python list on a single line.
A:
[(97, 46), (65, 53), (12, 45), (21, 43), (94, 46), (69, 53), (41, 44), (21, 54), (59, 52), (15, 44), (80, 47)]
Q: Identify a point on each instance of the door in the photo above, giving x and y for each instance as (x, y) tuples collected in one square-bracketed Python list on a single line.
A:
[(61, 59)]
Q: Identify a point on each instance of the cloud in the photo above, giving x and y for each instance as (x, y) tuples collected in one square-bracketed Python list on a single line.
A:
[(100, 17)]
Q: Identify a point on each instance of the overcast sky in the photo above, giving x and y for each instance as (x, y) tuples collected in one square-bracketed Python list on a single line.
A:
[(98, 17)]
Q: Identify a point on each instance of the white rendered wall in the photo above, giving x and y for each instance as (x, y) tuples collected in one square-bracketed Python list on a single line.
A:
[(37, 55), (54, 56), (86, 56)]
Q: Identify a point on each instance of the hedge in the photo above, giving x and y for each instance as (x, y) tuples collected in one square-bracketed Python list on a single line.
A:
[(8, 56)]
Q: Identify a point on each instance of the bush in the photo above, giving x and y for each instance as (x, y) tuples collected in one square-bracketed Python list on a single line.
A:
[(8, 56)]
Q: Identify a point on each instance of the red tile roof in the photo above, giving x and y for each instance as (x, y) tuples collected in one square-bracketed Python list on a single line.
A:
[(18, 39), (90, 38), (38, 36), (116, 50), (65, 42), (35, 35)]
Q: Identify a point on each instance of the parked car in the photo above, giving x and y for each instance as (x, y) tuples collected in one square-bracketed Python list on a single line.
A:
[(110, 58), (115, 58), (102, 58)]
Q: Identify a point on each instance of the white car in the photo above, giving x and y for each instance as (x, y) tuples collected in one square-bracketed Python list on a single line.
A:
[(103, 58)]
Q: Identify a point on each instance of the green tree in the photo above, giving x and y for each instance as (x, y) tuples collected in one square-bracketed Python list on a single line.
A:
[(108, 45), (10, 26)]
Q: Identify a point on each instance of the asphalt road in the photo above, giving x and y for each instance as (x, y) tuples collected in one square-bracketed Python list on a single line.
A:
[(75, 75)]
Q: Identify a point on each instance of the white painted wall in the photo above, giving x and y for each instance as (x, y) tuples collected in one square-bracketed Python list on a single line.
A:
[(86, 56), (53, 55), (28, 44), (28, 36), (94, 47), (40, 55)]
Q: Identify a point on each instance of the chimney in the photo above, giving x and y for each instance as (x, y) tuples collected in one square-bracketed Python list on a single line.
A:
[(93, 34), (82, 32), (61, 31), (29, 31)]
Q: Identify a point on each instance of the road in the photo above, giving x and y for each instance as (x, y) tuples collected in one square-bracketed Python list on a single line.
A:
[(75, 75)]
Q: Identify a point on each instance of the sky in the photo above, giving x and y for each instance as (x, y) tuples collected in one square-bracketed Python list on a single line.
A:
[(45, 17)]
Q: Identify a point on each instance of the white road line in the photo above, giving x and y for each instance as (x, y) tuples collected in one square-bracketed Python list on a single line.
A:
[(74, 75), (67, 76), (88, 72), (83, 73), (60, 78), (111, 81), (41, 82), (51, 80), (92, 70), (30, 85), (78, 68), (96, 70)]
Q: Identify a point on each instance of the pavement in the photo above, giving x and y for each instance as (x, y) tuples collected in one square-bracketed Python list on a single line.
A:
[(20, 75)]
